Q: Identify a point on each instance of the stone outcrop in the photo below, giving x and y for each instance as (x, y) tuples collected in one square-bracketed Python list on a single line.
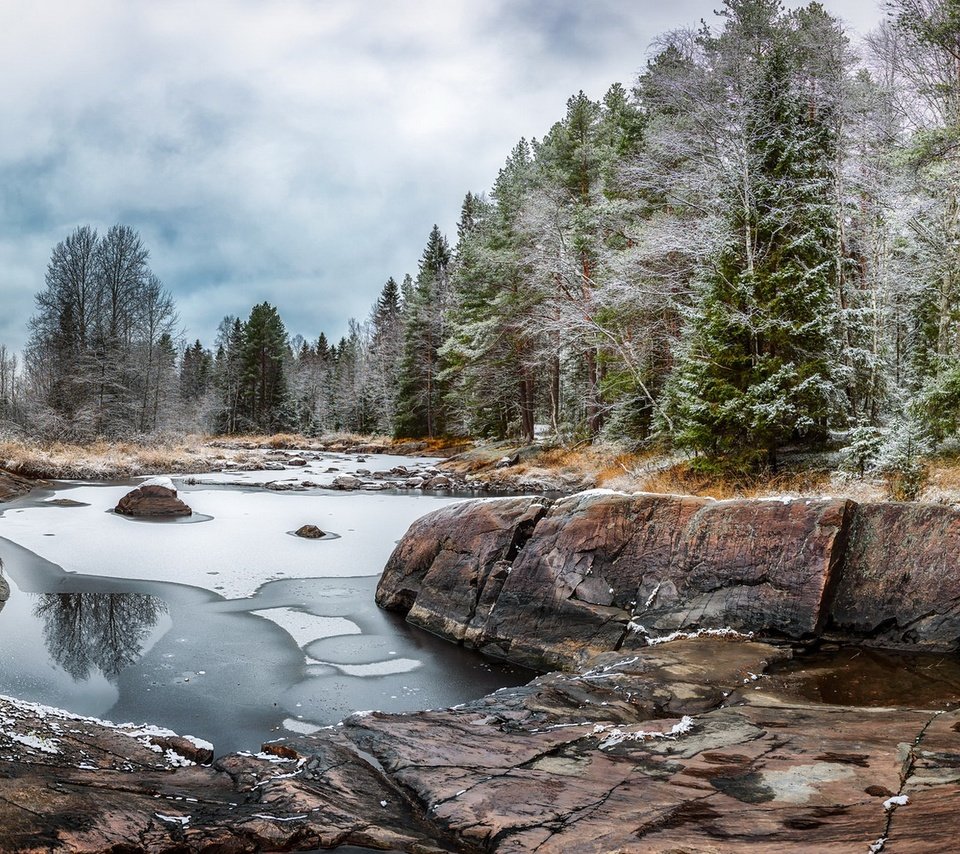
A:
[(155, 499), (13, 485), (901, 581), (447, 584), (603, 571), (679, 747)]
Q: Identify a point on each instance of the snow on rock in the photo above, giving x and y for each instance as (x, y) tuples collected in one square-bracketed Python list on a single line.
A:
[(732, 634), (43, 728), (617, 735), (160, 480), (896, 801)]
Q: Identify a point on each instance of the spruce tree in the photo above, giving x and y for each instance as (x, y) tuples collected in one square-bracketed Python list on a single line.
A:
[(262, 364), (420, 410), (757, 371)]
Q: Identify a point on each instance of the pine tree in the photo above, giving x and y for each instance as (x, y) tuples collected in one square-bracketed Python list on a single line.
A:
[(490, 352), (420, 410), (262, 363), (386, 348), (228, 375)]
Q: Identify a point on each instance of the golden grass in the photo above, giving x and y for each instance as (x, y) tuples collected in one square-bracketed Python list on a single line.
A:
[(577, 466), (102, 459)]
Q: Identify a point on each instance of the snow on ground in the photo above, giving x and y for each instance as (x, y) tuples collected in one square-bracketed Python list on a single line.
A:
[(316, 470)]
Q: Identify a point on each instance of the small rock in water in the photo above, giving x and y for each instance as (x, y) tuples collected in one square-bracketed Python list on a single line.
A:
[(310, 532), (346, 481)]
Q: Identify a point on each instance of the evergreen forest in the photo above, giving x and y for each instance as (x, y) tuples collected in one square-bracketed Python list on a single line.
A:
[(755, 247)]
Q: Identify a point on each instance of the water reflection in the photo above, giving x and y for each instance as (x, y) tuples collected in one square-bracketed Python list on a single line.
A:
[(102, 631)]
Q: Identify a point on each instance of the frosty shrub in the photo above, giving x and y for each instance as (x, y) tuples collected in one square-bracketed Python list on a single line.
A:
[(901, 459), (862, 449)]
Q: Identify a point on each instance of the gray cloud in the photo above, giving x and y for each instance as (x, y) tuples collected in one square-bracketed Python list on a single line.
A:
[(297, 150)]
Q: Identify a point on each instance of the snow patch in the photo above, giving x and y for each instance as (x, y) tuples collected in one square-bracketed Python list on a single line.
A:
[(44, 745), (182, 820), (617, 736), (165, 482), (896, 801), (301, 727), (634, 626)]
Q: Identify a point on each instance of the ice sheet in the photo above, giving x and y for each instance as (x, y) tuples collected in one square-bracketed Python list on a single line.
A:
[(244, 545)]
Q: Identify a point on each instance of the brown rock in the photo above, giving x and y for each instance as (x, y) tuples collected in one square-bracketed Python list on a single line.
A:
[(153, 501), (310, 532), (901, 580), (598, 562), (346, 481), (649, 752), (199, 754), (439, 572), (13, 485)]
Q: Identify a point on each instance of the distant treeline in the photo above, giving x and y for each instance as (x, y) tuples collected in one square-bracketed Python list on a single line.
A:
[(757, 245)]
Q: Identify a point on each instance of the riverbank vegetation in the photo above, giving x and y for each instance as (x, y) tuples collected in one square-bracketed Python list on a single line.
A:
[(750, 255)]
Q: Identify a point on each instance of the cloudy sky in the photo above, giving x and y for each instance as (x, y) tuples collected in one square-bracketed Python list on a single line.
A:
[(295, 151)]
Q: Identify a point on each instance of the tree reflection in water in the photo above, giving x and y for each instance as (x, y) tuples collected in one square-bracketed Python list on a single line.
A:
[(105, 631)]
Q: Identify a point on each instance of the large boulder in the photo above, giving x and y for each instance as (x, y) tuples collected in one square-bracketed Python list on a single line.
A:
[(155, 498), (14, 485), (621, 569), (450, 565), (602, 571)]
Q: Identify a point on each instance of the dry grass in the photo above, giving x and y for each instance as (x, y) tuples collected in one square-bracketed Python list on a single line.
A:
[(570, 467), (108, 460)]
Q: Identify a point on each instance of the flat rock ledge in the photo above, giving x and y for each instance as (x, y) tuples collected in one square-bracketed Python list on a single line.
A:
[(678, 747)]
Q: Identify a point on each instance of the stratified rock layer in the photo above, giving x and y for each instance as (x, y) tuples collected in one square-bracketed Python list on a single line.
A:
[(604, 571), (900, 585)]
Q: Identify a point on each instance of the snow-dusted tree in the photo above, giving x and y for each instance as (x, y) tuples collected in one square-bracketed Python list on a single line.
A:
[(419, 405), (757, 368), (263, 352), (99, 319), (10, 403), (920, 49), (490, 352), (228, 376), (385, 352)]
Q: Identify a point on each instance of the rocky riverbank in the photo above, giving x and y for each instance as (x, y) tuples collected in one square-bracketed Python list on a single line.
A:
[(550, 583), (679, 747), (666, 731)]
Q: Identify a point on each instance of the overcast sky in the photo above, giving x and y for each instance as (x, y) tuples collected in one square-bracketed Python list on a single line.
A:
[(296, 152)]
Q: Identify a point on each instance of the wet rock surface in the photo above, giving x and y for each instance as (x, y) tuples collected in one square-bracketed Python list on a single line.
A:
[(680, 747)]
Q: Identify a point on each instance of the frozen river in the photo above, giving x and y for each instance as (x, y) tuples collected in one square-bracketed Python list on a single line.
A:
[(226, 626)]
